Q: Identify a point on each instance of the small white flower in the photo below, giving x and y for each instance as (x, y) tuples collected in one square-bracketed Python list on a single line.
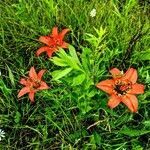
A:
[(93, 13), (2, 134)]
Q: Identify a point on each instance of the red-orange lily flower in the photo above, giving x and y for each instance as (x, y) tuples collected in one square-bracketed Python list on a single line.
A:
[(122, 88), (53, 42), (32, 84)]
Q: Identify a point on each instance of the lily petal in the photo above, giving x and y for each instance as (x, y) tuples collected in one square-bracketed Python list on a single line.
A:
[(137, 89), (64, 45), (23, 81), (46, 40), (63, 32), (54, 32), (50, 52), (114, 101), (115, 72), (106, 86), (108, 82), (40, 74), (43, 49), (31, 96), (32, 73), (43, 86), (131, 102), (131, 75), (23, 91)]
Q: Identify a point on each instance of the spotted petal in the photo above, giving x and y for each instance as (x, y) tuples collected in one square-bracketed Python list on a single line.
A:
[(106, 86), (131, 102), (130, 75), (23, 81), (64, 45), (54, 32), (114, 101), (43, 86), (46, 40), (40, 74), (32, 73), (31, 96), (115, 72), (50, 53), (63, 32), (43, 49), (23, 91), (137, 89)]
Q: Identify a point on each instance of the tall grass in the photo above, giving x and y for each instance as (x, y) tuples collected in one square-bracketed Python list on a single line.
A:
[(62, 118)]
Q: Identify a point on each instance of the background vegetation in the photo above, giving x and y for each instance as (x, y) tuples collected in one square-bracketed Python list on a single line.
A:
[(73, 114)]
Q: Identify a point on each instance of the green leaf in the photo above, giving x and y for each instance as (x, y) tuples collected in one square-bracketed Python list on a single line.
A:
[(17, 117), (92, 93), (84, 107), (147, 123), (96, 40), (70, 61), (145, 55), (78, 79), (62, 54), (58, 61), (74, 54), (100, 32), (57, 74), (85, 57), (11, 76), (6, 91), (97, 138), (133, 132)]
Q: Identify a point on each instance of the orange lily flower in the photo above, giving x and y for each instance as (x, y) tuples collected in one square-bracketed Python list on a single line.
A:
[(32, 84), (122, 88), (53, 42)]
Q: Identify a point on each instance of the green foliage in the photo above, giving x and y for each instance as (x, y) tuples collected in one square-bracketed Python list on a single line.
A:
[(70, 61), (57, 74), (144, 55), (11, 76), (73, 113), (75, 74), (95, 41), (4, 89), (133, 132), (17, 117)]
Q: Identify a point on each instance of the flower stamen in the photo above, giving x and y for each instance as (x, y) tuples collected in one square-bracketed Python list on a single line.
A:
[(122, 87)]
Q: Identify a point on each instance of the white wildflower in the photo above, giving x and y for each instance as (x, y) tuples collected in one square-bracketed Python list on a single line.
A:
[(2, 134), (93, 13)]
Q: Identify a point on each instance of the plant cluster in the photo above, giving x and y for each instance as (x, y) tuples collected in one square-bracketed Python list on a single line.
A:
[(121, 88), (87, 79)]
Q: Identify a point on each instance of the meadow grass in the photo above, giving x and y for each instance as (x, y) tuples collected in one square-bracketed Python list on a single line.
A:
[(71, 116)]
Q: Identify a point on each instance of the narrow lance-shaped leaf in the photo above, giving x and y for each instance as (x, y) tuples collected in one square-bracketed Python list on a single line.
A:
[(133, 132), (73, 53), (59, 62), (144, 55), (69, 60), (11, 76), (78, 79), (57, 74)]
